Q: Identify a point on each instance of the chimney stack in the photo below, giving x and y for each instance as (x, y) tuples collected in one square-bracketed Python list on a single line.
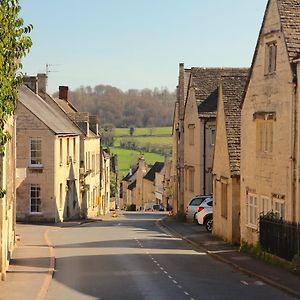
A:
[(63, 93), (31, 82), (42, 79)]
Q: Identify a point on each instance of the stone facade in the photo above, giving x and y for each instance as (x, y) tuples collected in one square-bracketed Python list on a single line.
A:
[(8, 202), (49, 154), (226, 162), (269, 122)]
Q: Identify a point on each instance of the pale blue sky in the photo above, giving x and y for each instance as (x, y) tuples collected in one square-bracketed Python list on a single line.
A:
[(138, 43)]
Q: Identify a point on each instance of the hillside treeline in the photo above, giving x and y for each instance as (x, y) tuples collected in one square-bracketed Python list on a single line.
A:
[(138, 108)]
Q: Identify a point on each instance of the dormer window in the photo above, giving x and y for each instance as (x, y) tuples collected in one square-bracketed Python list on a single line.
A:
[(270, 59)]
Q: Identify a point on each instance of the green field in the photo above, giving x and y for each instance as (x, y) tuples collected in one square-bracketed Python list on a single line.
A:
[(155, 140), (160, 136), (155, 131), (126, 157)]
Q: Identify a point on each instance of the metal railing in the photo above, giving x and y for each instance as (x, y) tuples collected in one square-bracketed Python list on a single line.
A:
[(279, 237)]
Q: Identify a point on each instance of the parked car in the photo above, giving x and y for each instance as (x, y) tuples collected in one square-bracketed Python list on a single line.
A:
[(158, 207), (192, 208), (204, 214)]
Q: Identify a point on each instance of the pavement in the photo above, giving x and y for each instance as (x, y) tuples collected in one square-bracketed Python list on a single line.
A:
[(202, 240), (33, 262)]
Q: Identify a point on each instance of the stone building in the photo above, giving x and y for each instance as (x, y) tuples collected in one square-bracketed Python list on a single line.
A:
[(153, 186), (90, 153), (8, 201), (270, 122), (195, 131), (226, 162), (48, 153)]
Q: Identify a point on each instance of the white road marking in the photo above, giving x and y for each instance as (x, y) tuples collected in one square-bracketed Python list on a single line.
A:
[(186, 293), (259, 283), (244, 282), (165, 272), (170, 277), (179, 286), (174, 281)]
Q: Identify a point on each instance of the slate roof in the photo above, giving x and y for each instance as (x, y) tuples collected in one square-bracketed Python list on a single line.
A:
[(68, 108), (128, 176), (289, 11), (132, 185), (205, 82), (47, 114), (156, 168), (232, 91)]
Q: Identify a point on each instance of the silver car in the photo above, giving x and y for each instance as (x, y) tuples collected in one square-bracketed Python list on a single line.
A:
[(192, 208)]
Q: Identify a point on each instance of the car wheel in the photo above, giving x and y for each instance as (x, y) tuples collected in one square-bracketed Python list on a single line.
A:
[(195, 218), (209, 225)]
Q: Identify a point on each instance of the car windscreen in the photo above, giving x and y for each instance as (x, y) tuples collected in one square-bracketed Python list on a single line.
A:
[(197, 201)]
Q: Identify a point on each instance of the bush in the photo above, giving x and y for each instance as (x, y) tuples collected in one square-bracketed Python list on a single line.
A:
[(296, 263)]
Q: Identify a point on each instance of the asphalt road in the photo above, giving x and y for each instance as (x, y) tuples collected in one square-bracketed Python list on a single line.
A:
[(131, 257)]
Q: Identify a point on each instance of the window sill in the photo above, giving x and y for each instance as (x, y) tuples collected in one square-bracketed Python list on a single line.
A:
[(36, 213), (253, 227), (36, 167)]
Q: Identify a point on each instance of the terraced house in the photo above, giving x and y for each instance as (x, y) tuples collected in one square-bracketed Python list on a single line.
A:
[(47, 158), (270, 148), (195, 131), (226, 162)]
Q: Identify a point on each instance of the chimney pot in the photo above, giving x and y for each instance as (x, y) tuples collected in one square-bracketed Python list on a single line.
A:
[(31, 82), (64, 93)]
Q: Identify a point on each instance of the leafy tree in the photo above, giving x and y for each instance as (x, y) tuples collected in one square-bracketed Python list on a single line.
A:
[(14, 45), (131, 130)]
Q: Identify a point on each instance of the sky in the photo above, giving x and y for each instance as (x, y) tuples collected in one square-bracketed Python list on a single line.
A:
[(137, 43)]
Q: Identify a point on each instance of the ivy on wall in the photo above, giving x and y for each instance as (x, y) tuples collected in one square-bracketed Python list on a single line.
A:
[(14, 45)]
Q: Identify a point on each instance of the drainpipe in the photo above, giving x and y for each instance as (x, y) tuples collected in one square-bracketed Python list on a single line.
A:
[(204, 157), (294, 153)]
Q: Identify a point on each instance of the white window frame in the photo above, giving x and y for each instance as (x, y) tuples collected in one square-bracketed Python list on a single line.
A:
[(35, 139), (278, 213), (265, 205), (252, 210), (37, 198)]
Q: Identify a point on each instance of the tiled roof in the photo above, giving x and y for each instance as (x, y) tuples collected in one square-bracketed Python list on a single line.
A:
[(232, 91), (128, 176), (289, 11), (57, 122), (205, 81), (156, 168), (132, 186)]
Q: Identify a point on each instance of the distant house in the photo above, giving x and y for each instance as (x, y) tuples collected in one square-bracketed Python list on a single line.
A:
[(270, 157), (138, 199), (153, 185), (226, 162), (126, 181), (199, 122), (8, 200), (48, 152)]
